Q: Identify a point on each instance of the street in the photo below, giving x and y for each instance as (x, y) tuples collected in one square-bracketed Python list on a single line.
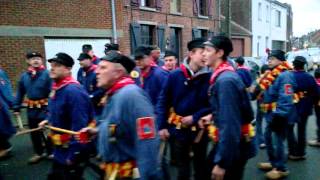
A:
[(16, 167)]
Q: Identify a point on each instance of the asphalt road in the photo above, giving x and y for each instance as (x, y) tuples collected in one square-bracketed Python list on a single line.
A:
[(16, 167)]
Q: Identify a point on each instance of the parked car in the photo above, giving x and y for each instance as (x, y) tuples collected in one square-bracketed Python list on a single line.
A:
[(315, 53), (292, 54)]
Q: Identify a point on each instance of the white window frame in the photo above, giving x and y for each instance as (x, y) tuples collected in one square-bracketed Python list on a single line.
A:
[(277, 18), (259, 11), (267, 13)]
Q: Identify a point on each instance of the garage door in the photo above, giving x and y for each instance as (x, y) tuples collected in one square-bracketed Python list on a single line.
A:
[(238, 47), (73, 47)]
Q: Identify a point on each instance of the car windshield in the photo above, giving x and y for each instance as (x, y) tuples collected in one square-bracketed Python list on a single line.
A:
[(292, 55), (314, 51)]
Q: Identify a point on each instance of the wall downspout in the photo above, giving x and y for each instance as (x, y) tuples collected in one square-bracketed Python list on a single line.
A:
[(114, 23)]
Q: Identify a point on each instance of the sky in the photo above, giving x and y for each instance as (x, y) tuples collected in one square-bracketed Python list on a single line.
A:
[(306, 15)]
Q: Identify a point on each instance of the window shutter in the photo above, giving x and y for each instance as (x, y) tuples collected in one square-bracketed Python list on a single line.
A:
[(196, 33), (135, 3), (195, 7), (161, 37), (135, 36), (210, 7), (158, 4)]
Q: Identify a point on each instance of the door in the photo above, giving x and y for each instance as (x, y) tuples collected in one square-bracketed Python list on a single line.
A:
[(73, 47), (238, 47)]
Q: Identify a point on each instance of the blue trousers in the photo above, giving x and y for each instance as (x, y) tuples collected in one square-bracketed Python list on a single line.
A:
[(259, 129), (275, 145)]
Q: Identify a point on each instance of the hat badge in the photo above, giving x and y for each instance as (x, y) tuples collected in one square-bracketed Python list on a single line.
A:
[(134, 74)]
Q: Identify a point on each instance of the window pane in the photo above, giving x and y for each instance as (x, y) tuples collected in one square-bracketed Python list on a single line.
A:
[(203, 7), (147, 35), (267, 13), (148, 3), (278, 18), (259, 11), (143, 2), (178, 5), (174, 6), (175, 40), (204, 33)]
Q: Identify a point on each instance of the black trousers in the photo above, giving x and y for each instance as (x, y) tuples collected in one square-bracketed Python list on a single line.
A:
[(297, 144), (317, 110), (39, 141), (66, 172), (4, 143), (235, 172), (165, 162), (181, 155)]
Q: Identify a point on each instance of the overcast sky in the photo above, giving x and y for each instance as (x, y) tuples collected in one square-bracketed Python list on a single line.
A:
[(306, 15)]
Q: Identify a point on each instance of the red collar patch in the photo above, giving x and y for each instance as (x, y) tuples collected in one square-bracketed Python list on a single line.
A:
[(186, 72), (225, 66), (33, 71), (63, 82), (122, 82)]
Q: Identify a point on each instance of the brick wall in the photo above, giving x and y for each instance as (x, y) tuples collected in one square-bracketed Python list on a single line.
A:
[(13, 51), (240, 12), (56, 13), (93, 14), (163, 17)]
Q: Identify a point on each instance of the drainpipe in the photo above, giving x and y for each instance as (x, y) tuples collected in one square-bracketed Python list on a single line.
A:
[(114, 22), (227, 8), (219, 15)]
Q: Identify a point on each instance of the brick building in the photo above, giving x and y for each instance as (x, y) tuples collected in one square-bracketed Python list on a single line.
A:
[(241, 28), (168, 23), (46, 25), (54, 26)]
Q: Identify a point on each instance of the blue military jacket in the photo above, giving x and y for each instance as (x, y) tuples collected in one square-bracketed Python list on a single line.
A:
[(35, 89), (154, 83), (88, 80), (245, 76), (95, 60), (70, 108), (6, 98), (187, 97), (281, 92), (231, 109), (308, 85), (135, 137)]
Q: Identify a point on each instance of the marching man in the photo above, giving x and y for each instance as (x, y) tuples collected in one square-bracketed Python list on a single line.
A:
[(277, 87), (231, 132), (127, 136), (6, 127), (69, 108), (183, 101), (35, 84)]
